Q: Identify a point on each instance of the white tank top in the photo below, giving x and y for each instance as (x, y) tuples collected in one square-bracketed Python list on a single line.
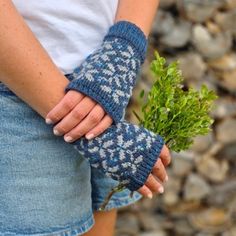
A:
[(69, 30)]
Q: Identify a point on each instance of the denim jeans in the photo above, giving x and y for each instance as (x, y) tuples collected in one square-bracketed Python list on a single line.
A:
[(46, 187)]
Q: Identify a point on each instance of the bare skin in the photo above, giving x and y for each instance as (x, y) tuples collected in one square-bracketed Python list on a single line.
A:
[(28, 71), (105, 224)]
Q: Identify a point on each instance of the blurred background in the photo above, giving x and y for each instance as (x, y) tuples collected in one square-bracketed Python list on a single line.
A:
[(200, 196)]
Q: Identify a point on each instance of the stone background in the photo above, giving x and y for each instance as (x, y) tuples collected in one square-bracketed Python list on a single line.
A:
[(200, 196)]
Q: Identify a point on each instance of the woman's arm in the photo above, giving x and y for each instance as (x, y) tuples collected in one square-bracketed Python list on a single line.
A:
[(25, 66), (139, 12)]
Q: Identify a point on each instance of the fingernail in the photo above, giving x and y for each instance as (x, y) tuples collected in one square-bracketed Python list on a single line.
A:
[(48, 121), (89, 136), (161, 190), (68, 139), (166, 179), (56, 132), (150, 195)]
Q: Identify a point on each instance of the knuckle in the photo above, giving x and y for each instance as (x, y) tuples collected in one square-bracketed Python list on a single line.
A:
[(68, 104), (162, 176), (94, 118), (156, 168), (77, 114), (76, 135)]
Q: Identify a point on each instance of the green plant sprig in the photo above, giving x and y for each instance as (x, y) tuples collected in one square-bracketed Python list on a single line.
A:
[(176, 114)]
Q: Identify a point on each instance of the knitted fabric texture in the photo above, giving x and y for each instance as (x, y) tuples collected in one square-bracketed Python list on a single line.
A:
[(109, 74), (124, 152)]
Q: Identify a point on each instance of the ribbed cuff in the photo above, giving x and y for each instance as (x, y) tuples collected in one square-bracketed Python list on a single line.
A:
[(145, 168), (131, 33), (114, 110)]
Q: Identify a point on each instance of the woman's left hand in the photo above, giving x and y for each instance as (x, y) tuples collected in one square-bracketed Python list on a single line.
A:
[(77, 115)]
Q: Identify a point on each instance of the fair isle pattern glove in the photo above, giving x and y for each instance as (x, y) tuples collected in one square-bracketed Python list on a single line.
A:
[(109, 74), (124, 152)]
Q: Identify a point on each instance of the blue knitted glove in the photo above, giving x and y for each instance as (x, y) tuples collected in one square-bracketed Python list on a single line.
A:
[(124, 152), (109, 74)]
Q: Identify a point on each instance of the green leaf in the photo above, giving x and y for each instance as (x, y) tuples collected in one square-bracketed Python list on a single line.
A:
[(141, 94)]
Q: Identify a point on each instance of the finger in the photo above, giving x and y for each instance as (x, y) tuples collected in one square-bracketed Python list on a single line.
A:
[(145, 191), (90, 121), (165, 156), (154, 185), (68, 102), (159, 171), (75, 116), (100, 128)]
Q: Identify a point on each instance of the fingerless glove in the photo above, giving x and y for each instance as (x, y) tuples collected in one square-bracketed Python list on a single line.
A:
[(109, 74), (124, 152)]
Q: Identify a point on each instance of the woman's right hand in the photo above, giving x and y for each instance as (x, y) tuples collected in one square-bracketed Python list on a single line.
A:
[(78, 115), (154, 183)]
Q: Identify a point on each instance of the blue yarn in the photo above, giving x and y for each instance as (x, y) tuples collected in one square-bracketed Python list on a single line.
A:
[(124, 152), (109, 74)]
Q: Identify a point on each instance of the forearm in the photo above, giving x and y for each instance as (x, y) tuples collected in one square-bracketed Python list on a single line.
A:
[(25, 66), (139, 12)]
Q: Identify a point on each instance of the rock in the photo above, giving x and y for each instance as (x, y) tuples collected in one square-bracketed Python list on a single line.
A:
[(146, 204), (212, 220), (224, 108), (154, 233), (183, 208), (202, 143), (228, 81), (172, 190), (204, 234), (210, 81), (192, 66), (179, 36), (225, 67), (211, 46), (230, 232), (182, 227), (226, 20), (227, 152), (167, 3), (198, 11), (182, 166), (213, 150), (196, 188), (212, 27), (229, 5), (225, 131), (223, 194), (149, 221), (163, 24), (213, 169), (127, 224), (225, 63), (121, 233)]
